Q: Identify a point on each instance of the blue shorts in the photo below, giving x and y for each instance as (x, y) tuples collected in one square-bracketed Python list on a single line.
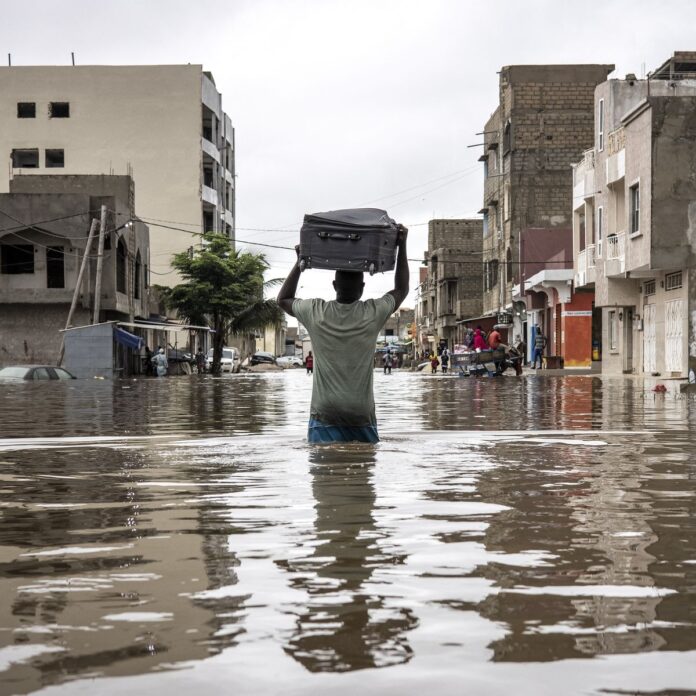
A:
[(319, 432)]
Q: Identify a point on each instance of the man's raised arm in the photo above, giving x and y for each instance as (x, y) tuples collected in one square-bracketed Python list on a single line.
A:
[(401, 274), (286, 296)]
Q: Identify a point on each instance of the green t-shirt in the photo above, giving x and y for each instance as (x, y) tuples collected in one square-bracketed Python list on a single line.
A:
[(343, 343)]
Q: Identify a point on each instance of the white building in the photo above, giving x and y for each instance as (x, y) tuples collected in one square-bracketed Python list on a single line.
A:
[(634, 197), (163, 124)]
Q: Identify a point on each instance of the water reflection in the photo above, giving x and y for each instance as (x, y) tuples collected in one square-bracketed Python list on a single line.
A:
[(347, 623), (499, 525)]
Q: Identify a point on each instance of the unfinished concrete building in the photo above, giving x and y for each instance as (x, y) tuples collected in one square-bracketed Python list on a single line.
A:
[(44, 228), (543, 122), (634, 228), (451, 293)]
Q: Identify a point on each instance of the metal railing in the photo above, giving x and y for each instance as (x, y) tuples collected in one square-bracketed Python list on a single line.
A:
[(590, 255), (616, 246)]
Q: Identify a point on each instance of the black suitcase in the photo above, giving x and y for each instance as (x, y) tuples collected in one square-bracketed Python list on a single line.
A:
[(358, 239)]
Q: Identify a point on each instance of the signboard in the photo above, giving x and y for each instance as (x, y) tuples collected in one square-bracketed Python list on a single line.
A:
[(504, 318), (577, 313)]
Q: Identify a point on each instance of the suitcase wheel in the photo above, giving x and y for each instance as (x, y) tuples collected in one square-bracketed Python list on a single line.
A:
[(303, 265), (372, 269)]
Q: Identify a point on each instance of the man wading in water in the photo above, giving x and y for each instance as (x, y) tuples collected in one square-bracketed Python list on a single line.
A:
[(344, 333)]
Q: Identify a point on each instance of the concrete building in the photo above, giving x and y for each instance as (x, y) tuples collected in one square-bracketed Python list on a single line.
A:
[(45, 223), (451, 292), (164, 124), (543, 122), (634, 230)]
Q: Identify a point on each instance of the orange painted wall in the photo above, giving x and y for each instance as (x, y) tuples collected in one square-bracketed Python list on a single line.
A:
[(577, 330)]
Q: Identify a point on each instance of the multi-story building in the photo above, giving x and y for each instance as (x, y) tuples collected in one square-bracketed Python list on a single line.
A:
[(163, 124), (543, 122), (634, 220), (40, 261), (450, 292)]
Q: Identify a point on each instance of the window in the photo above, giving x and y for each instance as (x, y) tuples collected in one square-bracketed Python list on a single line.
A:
[(673, 281), (507, 137), (600, 125), (508, 265), (55, 158), (485, 223), (649, 288), (146, 277), (208, 177), (138, 271), (16, 258), (208, 221), (506, 203), (61, 373), (59, 110), (55, 267), (40, 373), (485, 167), (600, 229), (26, 110), (493, 158), (25, 159), (613, 330), (121, 256), (634, 210)]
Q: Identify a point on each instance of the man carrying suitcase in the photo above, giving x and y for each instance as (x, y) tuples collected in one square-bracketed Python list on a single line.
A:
[(344, 333)]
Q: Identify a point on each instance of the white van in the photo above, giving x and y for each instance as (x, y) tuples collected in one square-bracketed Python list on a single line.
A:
[(229, 362)]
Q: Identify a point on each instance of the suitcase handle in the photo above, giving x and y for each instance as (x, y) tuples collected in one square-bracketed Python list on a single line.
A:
[(337, 235)]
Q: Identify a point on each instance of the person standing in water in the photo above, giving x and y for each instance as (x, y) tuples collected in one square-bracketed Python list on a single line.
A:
[(344, 333)]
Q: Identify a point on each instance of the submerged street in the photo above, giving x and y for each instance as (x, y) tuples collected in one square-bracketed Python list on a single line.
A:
[(526, 536)]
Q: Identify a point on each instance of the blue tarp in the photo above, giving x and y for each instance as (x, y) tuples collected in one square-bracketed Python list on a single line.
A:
[(127, 339)]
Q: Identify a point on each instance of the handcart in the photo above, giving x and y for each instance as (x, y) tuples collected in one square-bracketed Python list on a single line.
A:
[(490, 363)]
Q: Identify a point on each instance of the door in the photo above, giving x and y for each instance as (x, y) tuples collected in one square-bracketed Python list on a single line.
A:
[(628, 339), (55, 267), (649, 353), (674, 335)]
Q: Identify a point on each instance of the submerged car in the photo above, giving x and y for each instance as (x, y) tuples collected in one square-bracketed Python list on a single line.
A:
[(17, 373), (229, 361), (289, 361), (262, 357)]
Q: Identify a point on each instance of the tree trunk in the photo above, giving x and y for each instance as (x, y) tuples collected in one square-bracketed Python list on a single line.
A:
[(218, 343)]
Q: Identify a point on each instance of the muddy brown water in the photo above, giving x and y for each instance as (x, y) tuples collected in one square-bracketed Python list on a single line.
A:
[(510, 536)]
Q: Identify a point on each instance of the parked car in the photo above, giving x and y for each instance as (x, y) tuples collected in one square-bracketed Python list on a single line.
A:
[(17, 373), (289, 361), (262, 357), (229, 362)]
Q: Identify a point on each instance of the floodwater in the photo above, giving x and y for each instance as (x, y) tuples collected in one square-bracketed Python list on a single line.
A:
[(524, 536)]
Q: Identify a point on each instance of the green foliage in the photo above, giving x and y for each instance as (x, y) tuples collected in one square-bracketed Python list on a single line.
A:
[(223, 287)]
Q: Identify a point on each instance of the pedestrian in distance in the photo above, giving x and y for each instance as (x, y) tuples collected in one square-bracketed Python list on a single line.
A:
[(434, 362), (539, 345), (444, 360), (200, 361), (343, 333), (387, 361), (160, 363), (149, 368), (479, 342), (309, 363)]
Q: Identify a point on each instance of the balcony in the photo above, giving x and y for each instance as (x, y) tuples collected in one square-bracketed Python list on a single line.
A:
[(583, 178), (615, 256), (585, 267)]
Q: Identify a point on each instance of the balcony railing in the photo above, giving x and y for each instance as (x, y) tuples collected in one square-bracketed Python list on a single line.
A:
[(590, 255), (616, 246), (582, 261)]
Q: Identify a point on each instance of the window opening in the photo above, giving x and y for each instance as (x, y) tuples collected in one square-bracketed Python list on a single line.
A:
[(649, 288), (16, 258), (600, 126), (137, 283), (55, 267), (25, 159), (26, 109), (55, 158), (59, 110), (635, 209), (673, 281), (613, 330), (121, 255)]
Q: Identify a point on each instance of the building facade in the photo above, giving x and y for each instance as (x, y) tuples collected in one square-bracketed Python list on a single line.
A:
[(163, 124), (543, 122), (634, 228), (44, 231), (451, 287)]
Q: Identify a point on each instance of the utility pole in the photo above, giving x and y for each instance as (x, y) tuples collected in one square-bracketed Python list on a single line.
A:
[(100, 266), (78, 285)]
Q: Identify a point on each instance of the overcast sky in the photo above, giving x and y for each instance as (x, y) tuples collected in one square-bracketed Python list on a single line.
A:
[(346, 103)]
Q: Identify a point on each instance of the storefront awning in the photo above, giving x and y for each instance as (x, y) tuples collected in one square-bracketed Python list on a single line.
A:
[(128, 340)]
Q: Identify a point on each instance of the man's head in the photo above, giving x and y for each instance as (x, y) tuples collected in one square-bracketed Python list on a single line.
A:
[(349, 286)]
